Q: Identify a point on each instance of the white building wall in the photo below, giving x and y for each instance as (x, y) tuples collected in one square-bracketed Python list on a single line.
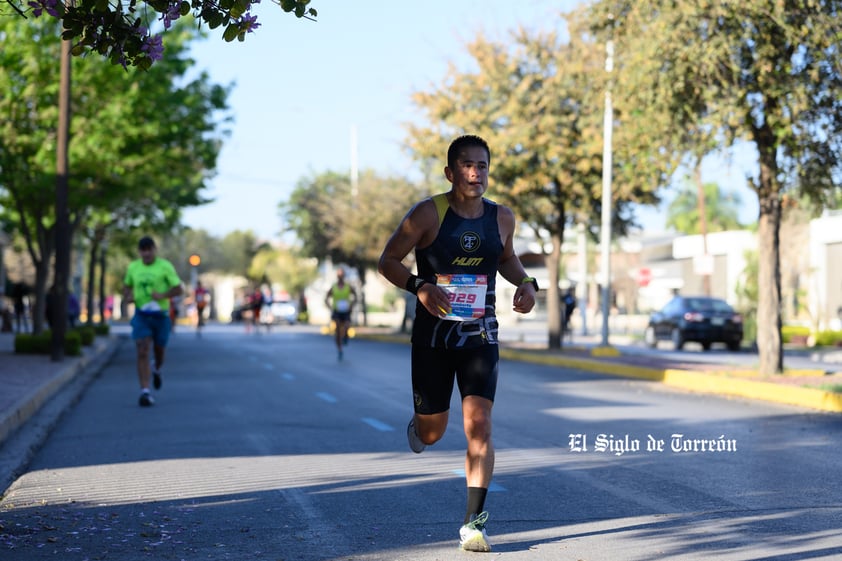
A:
[(824, 231)]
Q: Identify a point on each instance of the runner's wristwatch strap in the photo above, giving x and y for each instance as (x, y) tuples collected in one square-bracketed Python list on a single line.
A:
[(413, 283), (530, 280)]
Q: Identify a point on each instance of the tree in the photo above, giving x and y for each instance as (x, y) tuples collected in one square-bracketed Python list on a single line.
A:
[(143, 146), (285, 267), (766, 73), (538, 102), (120, 30), (334, 221), (721, 211)]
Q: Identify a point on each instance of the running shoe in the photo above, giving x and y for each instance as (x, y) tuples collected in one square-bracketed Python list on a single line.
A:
[(156, 380), (415, 443), (472, 536), (146, 399)]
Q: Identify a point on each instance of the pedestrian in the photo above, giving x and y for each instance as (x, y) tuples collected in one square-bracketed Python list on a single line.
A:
[(569, 303), (150, 282), (461, 241), (73, 310), (200, 298), (19, 291), (341, 299)]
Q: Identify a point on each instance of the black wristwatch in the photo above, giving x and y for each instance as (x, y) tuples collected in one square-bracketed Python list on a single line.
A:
[(532, 280), (413, 283)]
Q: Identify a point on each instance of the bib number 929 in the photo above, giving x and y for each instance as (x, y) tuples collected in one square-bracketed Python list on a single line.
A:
[(462, 297)]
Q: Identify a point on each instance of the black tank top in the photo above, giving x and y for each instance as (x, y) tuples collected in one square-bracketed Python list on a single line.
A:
[(462, 246)]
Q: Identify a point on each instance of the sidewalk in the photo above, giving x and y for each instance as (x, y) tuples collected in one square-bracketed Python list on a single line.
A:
[(28, 383)]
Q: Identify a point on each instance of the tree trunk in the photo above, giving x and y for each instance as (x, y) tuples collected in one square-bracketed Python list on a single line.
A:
[(769, 268), (102, 256), (361, 273), (92, 259), (554, 324)]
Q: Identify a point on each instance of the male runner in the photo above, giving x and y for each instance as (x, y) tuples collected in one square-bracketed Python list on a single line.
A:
[(150, 282), (341, 299), (461, 241)]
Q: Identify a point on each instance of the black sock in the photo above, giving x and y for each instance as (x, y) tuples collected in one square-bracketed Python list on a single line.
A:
[(476, 501)]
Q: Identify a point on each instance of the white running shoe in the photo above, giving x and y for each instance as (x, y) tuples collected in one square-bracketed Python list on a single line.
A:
[(472, 536), (415, 443)]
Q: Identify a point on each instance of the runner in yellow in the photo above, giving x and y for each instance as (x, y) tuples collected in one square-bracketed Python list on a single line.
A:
[(341, 299), (150, 282)]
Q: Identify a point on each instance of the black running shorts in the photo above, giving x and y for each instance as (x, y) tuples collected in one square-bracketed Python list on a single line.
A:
[(434, 370)]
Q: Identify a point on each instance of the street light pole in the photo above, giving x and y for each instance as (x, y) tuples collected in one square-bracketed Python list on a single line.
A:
[(605, 231)]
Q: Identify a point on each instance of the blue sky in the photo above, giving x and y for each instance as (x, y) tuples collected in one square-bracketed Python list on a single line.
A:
[(300, 87)]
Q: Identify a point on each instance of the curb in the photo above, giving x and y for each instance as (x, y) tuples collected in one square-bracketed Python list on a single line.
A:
[(719, 383), (30, 425)]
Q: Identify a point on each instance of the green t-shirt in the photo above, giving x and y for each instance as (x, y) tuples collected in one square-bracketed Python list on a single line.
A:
[(159, 276)]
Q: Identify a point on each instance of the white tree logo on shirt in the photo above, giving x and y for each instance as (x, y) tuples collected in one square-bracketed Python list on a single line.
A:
[(470, 241)]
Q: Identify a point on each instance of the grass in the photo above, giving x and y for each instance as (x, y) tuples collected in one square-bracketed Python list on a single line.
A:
[(837, 388)]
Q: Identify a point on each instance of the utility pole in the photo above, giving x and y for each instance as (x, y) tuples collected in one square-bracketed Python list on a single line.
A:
[(605, 230)]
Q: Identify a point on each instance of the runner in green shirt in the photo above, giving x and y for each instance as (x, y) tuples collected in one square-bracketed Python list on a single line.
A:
[(150, 282)]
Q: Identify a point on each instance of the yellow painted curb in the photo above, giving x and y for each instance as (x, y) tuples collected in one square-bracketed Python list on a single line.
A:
[(718, 383), (605, 351)]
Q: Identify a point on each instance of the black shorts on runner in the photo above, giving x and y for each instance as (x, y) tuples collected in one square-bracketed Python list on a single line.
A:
[(341, 316), (434, 370)]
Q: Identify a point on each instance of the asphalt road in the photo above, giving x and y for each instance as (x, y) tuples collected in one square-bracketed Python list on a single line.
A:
[(264, 447)]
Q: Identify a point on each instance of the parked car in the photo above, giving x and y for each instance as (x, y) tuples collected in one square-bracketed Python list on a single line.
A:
[(283, 311), (700, 319)]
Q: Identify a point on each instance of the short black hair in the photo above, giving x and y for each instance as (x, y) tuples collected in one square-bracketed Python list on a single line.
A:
[(146, 243), (463, 142)]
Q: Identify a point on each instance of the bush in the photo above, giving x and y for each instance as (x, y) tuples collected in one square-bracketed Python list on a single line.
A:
[(26, 343), (101, 329), (87, 334), (828, 338), (795, 333)]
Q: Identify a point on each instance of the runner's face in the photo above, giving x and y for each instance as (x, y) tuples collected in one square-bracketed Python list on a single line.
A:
[(147, 255), (470, 177)]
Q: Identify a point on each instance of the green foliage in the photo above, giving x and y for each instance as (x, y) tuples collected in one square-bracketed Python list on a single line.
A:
[(101, 329), (800, 334), (721, 211), (87, 334), (285, 267), (747, 298), (829, 339), (26, 343), (830, 387), (116, 31), (791, 333), (143, 144), (766, 73), (332, 221)]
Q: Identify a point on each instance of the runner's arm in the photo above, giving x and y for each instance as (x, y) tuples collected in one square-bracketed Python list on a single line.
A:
[(418, 228), (510, 266)]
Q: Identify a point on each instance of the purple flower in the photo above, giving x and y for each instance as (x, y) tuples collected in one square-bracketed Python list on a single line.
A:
[(172, 13), (38, 7), (248, 22), (153, 47)]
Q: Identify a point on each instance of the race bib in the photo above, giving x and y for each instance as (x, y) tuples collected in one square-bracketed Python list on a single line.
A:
[(343, 306), (467, 295), (152, 306)]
